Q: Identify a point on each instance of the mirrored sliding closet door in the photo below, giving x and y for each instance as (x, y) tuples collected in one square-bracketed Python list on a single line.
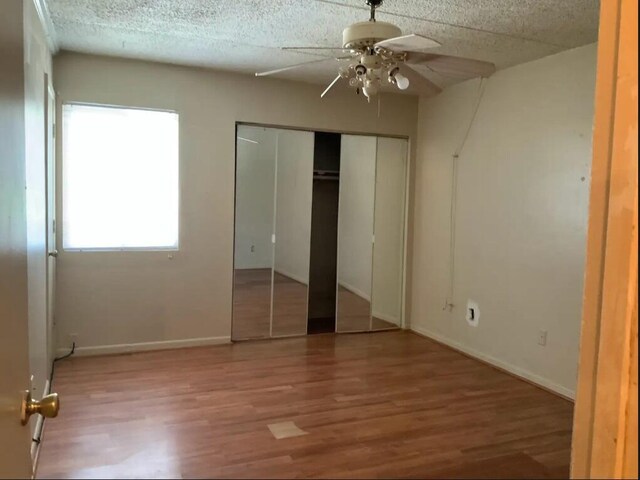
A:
[(294, 176), (254, 230), (274, 172), (355, 232), (371, 233), (389, 234), (319, 233)]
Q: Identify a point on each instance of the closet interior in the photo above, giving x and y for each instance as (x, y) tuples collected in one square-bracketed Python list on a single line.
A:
[(319, 232)]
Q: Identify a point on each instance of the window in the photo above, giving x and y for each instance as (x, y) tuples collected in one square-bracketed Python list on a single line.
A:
[(120, 178)]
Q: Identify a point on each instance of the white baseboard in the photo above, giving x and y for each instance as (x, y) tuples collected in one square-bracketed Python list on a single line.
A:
[(517, 371), (355, 291), (146, 346), (292, 276), (361, 294), (385, 317)]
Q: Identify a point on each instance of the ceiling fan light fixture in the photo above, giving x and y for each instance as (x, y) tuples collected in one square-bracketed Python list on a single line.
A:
[(402, 81), (397, 79), (360, 70), (370, 88)]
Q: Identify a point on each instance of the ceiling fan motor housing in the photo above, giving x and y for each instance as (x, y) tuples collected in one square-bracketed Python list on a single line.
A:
[(366, 34)]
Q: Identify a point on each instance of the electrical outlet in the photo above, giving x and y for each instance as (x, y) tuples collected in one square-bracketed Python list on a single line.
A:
[(542, 338), (73, 338), (473, 313)]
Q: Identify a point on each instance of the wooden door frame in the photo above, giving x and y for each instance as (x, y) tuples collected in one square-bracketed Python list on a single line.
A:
[(605, 435)]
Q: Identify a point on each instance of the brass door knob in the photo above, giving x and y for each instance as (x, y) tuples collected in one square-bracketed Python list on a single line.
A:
[(48, 407)]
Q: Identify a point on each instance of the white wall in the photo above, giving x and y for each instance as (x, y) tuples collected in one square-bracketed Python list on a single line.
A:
[(255, 184), (521, 216), (37, 64), (389, 229), (294, 192), (355, 217), (115, 298)]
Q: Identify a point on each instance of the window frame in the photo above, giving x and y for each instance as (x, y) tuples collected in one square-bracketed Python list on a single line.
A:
[(60, 182)]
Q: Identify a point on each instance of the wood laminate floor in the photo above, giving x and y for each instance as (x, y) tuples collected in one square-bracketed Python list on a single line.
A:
[(251, 303), (389, 404), (252, 307)]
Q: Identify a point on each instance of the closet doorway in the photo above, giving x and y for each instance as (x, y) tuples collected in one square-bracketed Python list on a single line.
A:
[(319, 232)]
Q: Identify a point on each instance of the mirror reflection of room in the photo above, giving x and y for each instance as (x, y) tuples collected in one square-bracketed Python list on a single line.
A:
[(253, 258), (319, 235), (294, 171), (389, 233), (355, 232)]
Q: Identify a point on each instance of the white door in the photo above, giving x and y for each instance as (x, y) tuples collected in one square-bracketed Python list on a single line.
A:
[(15, 441)]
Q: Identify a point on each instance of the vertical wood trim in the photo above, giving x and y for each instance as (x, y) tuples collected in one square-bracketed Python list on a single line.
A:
[(603, 435), (598, 207), (630, 468), (621, 263)]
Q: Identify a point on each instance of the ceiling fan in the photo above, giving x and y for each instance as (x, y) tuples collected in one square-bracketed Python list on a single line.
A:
[(376, 52)]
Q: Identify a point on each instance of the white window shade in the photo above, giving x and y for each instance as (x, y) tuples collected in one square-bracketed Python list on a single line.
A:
[(120, 178)]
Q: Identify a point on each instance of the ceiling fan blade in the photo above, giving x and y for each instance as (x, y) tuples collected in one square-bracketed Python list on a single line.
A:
[(457, 67), (291, 67), (335, 80), (420, 83), (408, 43), (315, 48)]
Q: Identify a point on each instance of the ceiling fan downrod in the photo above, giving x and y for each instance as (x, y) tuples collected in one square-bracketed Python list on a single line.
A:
[(374, 4)]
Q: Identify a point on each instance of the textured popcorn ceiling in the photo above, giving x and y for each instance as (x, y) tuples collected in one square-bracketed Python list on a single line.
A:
[(245, 35)]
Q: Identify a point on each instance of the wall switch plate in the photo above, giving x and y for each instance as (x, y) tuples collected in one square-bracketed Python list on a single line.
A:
[(542, 338)]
